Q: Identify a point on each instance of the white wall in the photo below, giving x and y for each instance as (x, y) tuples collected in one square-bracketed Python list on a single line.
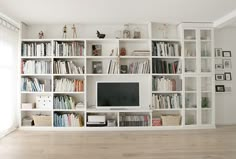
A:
[(226, 103)]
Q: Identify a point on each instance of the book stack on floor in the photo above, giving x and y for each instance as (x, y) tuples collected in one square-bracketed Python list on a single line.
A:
[(68, 49), (67, 67), (34, 85), (36, 49), (141, 53), (165, 49), (166, 84), (63, 102), (36, 67), (68, 85), (113, 67), (134, 120), (68, 120), (166, 67), (166, 101), (141, 67)]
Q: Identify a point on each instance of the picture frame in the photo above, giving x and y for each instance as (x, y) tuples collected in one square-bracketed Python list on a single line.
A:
[(218, 52), (228, 89), (123, 69), (219, 66), (227, 64), (96, 50), (220, 88), (219, 77), (226, 53), (227, 76), (97, 67)]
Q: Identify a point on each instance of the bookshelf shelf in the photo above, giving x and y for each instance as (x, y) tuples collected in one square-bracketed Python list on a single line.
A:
[(187, 39)]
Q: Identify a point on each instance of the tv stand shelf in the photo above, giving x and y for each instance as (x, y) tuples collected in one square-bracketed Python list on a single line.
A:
[(175, 76)]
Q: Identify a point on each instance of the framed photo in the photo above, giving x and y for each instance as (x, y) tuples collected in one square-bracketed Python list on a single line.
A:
[(97, 67), (123, 69), (220, 77), (227, 64), (96, 50), (219, 66), (218, 52), (228, 76), (220, 88), (226, 53)]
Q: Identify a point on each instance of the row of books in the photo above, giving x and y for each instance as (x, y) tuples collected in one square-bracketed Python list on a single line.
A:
[(35, 67), (63, 102), (36, 49), (166, 84), (34, 85), (166, 49), (67, 67), (68, 120), (139, 67), (134, 120), (162, 66), (166, 101), (68, 48), (68, 85), (112, 67)]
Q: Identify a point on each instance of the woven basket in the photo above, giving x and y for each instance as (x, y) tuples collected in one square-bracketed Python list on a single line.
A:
[(42, 120), (171, 120)]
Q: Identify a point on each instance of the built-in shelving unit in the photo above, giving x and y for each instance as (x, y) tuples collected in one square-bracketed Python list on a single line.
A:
[(178, 81)]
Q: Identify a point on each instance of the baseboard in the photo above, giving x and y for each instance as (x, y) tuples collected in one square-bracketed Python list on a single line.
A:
[(7, 132)]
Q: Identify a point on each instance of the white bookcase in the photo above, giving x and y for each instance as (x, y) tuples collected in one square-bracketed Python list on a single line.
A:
[(192, 83)]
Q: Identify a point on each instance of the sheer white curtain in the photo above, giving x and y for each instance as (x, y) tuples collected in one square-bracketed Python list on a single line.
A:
[(8, 77)]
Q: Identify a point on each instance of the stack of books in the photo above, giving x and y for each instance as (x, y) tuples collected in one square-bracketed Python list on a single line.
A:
[(67, 67), (68, 120), (139, 67), (35, 67), (165, 49), (63, 102), (36, 49), (34, 85), (166, 101), (161, 66), (112, 67), (134, 120), (68, 85), (141, 53), (68, 48), (166, 84)]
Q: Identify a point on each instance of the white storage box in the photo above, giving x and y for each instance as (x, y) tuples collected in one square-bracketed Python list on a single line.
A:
[(44, 102), (28, 105)]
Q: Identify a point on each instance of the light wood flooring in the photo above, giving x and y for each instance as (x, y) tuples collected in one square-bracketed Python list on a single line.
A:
[(217, 143)]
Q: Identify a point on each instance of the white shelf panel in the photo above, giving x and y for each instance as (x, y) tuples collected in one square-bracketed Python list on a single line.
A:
[(36, 40), (36, 57), (192, 109), (192, 57), (68, 57), (68, 110), (190, 91), (93, 110), (175, 109), (190, 40), (74, 75), (167, 92), (166, 40), (165, 74), (36, 110), (134, 57), (68, 92), (167, 57), (206, 109), (134, 40), (39, 75), (22, 92)]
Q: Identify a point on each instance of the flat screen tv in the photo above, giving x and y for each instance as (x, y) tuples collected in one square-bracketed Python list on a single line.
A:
[(117, 94)]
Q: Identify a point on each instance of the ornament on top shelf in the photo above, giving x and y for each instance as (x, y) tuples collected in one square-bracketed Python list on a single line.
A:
[(100, 36), (74, 33), (64, 32), (41, 35), (164, 29)]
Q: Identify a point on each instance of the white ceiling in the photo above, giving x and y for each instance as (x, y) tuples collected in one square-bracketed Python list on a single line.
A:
[(115, 11)]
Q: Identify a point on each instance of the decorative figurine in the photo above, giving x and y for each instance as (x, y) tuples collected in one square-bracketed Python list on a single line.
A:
[(137, 33), (100, 36), (122, 52), (41, 35), (126, 32), (164, 28), (64, 32), (74, 35)]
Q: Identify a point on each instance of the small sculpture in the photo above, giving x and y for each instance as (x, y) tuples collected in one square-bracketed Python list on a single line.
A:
[(100, 36), (74, 35), (41, 35), (64, 32), (122, 52)]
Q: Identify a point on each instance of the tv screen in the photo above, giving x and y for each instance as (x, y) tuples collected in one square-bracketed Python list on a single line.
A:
[(118, 94)]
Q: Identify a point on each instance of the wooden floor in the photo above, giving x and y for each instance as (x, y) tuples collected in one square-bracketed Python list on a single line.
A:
[(217, 143)]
